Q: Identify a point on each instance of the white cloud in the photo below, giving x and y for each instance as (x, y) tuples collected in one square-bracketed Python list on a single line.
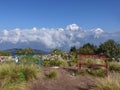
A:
[(5, 32), (51, 38), (72, 27)]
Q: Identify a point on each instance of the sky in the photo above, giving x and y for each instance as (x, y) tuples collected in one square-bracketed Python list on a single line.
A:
[(87, 14)]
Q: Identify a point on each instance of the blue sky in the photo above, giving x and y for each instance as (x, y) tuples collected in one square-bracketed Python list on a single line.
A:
[(87, 14)]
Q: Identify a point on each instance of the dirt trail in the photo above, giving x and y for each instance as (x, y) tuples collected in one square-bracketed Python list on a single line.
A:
[(65, 80)]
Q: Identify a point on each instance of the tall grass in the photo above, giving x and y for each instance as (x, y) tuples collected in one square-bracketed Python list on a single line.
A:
[(114, 66), (108, 83), (12, 74)]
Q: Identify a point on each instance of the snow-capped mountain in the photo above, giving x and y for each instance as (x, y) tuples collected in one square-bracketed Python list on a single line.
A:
[(47, 39)]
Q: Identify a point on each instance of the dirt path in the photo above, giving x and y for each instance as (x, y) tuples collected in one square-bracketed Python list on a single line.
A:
[(65, 80)]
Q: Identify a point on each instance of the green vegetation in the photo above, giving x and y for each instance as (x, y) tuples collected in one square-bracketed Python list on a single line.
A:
[(51, 75), (73, 62), (29, 59), (97, 72), (16, 76), (4, 53), (88, 49), (93, 61), (114, 67), (57, 52), (26, 51), (13, 76), (111, 49), (60, 63)]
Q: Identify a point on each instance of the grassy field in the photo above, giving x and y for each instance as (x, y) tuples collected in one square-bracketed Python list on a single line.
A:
[(31, 77)]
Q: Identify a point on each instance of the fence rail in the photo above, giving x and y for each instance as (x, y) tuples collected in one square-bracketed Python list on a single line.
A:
[(103, 57)]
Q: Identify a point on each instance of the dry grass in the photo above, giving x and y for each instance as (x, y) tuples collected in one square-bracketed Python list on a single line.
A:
[(108, 83), (15, 77)]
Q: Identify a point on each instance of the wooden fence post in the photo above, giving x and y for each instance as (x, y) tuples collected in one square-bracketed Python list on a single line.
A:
[(106, 61)]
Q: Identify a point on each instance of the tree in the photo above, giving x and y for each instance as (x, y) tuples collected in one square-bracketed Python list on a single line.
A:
[(110, 48), (26, 51), (73, 51), (88, 49), (5, 53)]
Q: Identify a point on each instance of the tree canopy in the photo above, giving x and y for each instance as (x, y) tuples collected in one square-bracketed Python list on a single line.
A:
[(26, 51), (110, 48), (88, 49)]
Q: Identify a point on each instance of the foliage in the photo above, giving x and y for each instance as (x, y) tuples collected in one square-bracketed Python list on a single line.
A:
[(99, 72), (87, 49), (73, 49), (4, 53), (61, 63), (73, 52), (109, 48), (91, 69), (93, 61), (56, 52), (73, 62), (26, 51), (29, 59)]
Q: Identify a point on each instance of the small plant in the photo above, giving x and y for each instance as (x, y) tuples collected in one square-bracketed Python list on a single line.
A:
[(82, 72), (21, 76), (51, 75)]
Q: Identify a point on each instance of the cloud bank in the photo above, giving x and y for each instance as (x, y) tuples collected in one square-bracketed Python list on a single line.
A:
[(51, 38)]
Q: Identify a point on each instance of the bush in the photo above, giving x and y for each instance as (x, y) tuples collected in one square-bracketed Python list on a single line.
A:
[(50, 63), (51, 75), (73, 62), (28, 59)]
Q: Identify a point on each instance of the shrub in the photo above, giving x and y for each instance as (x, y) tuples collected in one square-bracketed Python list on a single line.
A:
[(51, 75), (46, 63), (28, 59), (60, 63), (73, 62)]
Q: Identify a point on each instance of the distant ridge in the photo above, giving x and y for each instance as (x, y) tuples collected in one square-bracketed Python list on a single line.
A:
[(12, 51)]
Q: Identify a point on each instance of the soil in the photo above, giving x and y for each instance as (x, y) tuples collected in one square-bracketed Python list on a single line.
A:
[(65, 80)]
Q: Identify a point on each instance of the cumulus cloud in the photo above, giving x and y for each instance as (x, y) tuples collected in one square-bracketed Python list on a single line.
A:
[(72, 27), (45, 38)]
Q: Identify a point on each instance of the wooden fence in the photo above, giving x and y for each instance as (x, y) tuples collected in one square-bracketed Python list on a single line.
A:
[(101, 57)]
